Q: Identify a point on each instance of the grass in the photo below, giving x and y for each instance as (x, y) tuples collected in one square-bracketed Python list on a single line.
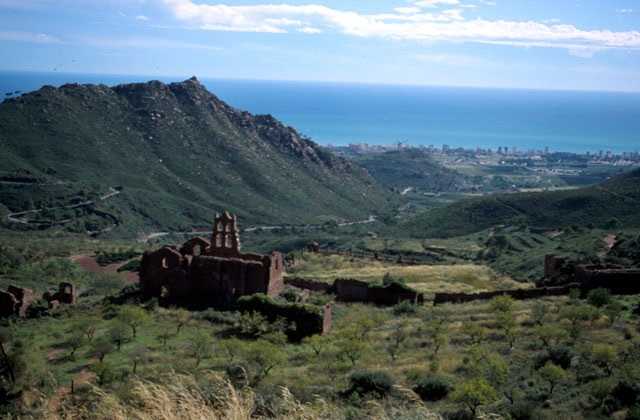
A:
[(313, 383), (425, 278)]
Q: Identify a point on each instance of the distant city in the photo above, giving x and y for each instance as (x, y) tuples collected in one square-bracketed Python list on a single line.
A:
[(605, 157)]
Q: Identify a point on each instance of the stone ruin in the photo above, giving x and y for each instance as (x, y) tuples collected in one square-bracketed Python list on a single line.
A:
[(563, 274), (66, 294), (215, 273), (210, 273), (15, 301), (351, 290)]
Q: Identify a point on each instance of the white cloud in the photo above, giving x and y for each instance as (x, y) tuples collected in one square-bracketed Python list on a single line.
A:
[(31, 37), (137, 42), (446, 25), (460, 60), (407, 10), (436, 3), (310, 30), (142, 18), (624, 11)]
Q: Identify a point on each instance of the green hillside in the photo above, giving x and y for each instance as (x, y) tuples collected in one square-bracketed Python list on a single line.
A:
[(413, 168), (614, 202), (175, 153)]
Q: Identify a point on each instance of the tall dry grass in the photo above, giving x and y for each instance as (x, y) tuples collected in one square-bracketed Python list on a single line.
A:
[(181, 397)]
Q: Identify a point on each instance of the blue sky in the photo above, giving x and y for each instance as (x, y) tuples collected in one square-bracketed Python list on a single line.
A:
[(541, 44)]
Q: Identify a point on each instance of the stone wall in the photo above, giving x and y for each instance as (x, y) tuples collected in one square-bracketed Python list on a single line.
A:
[(350, 290), (16, 301), (307, 284), (309, 320), (518, 294), (618, 280)]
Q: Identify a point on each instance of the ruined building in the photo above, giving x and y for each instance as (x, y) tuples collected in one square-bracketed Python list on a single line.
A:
[(215, 272)]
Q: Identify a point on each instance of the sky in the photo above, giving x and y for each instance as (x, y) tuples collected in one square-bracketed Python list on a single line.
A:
[(536, 44)]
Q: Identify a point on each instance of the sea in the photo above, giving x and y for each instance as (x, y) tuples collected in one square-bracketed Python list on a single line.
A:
[(347, 113)]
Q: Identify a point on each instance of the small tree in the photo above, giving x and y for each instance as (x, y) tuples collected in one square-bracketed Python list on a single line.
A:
[(263, 356), (134, 317), (118, 333), (551, 334), (5, 338), (605, 357), (553, 375), (74, 342), (200, 346), (350, 345), (164, 336), (576, 315), (87, 327), (139, 355), (539, 312), (507, 324), (474, 393), (599, 297), (502, 304), (396, 339), (614, 311), (182, 318), (104, 372), (317, 343), (475, 332), (102, 347)]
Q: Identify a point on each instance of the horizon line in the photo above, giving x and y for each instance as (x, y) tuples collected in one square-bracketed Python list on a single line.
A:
[(150, 77)]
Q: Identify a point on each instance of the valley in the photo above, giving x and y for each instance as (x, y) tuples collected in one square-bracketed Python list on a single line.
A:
[(369, 242)]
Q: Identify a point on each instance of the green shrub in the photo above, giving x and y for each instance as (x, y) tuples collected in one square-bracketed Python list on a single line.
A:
[(599, 297), (405, 308), (374, 383), (559, 355), (433, 388), (633, 413)]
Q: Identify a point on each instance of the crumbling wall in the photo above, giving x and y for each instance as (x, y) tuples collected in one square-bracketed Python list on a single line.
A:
[(195, 246), (15, 301), (518, 294), (613, 277), (350, 290), (8, 304), (307, 284), (308, 319), (156, 268), (66, 294)]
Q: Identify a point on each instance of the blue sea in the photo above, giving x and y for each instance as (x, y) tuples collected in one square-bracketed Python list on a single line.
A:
[(340, 113)]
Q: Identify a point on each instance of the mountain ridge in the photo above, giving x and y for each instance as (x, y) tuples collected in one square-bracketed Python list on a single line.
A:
[(615, 201), (180, 153)]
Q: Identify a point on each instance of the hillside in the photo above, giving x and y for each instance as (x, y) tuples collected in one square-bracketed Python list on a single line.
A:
[(413, 168), (174, 153), (614, 202)]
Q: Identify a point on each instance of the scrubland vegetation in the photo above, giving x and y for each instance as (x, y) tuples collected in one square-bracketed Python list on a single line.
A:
[(562, 357)]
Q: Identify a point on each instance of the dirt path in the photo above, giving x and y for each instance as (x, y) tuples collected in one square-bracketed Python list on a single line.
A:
[(18, 217)]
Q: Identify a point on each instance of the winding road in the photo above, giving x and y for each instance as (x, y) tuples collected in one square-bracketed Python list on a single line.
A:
[(155, 235), (18, 217)]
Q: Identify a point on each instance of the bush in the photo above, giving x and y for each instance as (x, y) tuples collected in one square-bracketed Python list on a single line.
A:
[(633, 413), (599, 297), (626, 394), (433, 388), (405, 308), (370, 382), (559, 355), (522, 410)]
